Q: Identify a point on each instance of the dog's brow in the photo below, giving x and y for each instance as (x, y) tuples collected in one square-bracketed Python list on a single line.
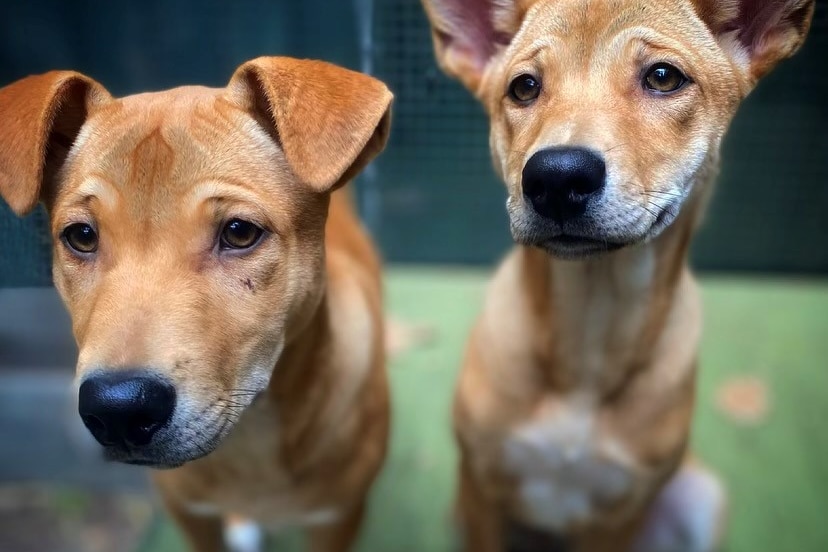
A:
[(537, 47), (97, 187), (224, 188), (648, 36)]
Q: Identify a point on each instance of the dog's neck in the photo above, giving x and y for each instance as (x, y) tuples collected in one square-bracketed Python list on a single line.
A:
[(602, 316), (308, 337)]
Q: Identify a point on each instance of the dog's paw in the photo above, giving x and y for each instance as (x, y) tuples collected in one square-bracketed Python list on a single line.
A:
[(241, 535), (688, 515)]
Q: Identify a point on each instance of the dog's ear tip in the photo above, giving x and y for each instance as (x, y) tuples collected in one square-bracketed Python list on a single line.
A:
[(18, 199), (327, 119), (33, 111), (466, 36), (385, 97), (763, 33)]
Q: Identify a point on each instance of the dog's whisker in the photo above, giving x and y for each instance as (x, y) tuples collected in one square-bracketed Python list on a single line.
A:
[(662, 194), (615, 147), (649, 210), (231, 402)]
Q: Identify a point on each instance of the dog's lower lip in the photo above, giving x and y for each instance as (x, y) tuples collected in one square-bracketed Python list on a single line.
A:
[(571, 240), (147, 463), (140, 462), (147, 460), (571, 247)]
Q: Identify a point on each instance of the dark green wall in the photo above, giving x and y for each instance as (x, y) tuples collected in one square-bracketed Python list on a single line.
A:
[(432, 196)]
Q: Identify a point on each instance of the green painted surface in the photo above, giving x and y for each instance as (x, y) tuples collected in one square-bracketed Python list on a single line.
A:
[(777, 471)]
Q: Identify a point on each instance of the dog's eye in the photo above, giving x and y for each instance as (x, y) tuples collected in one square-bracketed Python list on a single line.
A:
[(239, 234), (664, 78), (80, 237), (524, 88)]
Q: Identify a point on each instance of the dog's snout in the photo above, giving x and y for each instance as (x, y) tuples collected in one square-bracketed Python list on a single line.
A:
[(125, 407), (559, 182)]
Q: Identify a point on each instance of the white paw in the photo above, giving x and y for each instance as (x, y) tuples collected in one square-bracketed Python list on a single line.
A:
[(687, 516), (243, 536)]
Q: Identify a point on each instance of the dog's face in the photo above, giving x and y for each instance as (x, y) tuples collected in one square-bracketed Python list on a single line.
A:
[(188, 234), (603, 114)]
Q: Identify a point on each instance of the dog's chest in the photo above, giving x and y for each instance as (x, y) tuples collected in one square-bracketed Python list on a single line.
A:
[(247, 477), (565, 469)]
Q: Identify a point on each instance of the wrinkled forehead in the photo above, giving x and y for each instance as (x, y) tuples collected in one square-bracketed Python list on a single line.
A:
[(585, 25), (155, 146)]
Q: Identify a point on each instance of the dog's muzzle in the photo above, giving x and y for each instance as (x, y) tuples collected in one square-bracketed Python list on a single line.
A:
[(124, 409), (559, 183)]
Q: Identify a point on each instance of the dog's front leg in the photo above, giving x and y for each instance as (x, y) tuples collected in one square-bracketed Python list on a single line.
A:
[(203, 533), (480, 522), (338, 536), (688, 515)]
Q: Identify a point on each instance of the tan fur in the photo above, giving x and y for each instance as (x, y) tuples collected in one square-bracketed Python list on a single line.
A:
[(574, 403), (296, 321)]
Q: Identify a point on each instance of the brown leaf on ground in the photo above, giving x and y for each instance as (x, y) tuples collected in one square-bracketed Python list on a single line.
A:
[(744, 399), (402, 336)]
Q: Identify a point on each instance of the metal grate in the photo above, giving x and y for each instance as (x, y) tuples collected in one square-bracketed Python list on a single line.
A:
[(433, 195), (769, 210), (25, 249), (441, 201)]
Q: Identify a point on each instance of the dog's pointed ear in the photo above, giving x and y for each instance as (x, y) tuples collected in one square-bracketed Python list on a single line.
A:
[(40, 117), (329, 121), (467, 34), (762, 32)]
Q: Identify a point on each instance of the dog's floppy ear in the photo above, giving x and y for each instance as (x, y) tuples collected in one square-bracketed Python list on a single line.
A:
[(329, 121), (468, 33), (765, 31), (40, 117)]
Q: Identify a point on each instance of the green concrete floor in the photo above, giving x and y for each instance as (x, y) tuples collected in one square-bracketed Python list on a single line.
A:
[(776, 468)]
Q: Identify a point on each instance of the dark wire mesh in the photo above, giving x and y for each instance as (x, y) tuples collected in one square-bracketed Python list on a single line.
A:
[(434, 196), (25, 249)]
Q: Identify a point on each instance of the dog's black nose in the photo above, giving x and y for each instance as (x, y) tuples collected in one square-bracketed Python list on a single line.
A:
[(559, 182), (125, 407)]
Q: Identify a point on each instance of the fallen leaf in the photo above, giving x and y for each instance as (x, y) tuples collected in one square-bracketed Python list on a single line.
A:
[(744, 399)]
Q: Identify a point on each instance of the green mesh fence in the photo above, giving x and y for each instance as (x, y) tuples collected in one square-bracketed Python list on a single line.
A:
[(25, 249), (432, 196)]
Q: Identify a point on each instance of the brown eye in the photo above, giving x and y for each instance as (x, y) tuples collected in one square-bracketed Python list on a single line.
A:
[(239, 234), (524, 88), (664, 78), (80, 238)]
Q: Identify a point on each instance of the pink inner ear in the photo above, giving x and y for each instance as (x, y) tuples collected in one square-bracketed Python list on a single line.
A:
[(759, 18), (470, 27)]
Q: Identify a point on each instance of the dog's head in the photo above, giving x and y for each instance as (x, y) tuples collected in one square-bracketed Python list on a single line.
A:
[(604, 113), (188, 232)]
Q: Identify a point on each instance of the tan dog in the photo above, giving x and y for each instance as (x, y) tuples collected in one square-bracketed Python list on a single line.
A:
[(224, 329), (574, 405)]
